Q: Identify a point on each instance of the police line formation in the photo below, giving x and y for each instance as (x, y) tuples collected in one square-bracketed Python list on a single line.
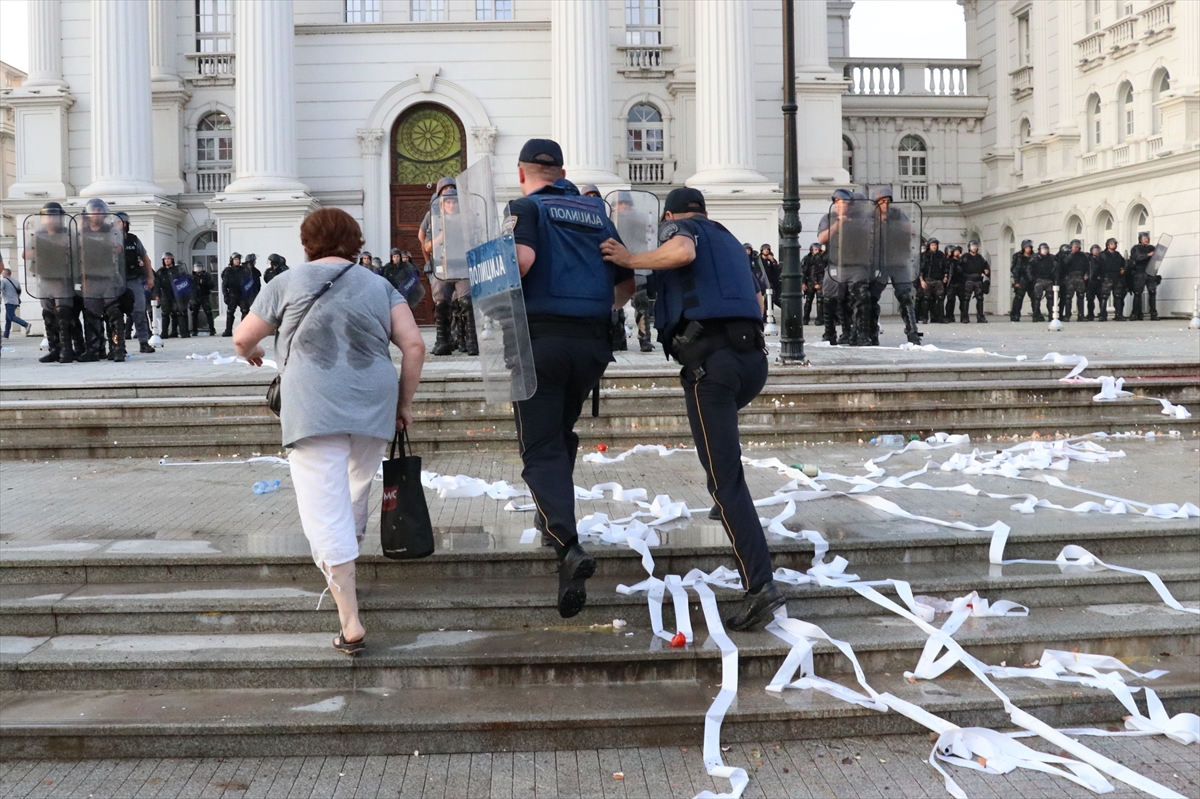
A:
[(534, 292)]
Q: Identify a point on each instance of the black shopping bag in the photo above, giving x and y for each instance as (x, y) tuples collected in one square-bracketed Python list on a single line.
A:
[(405, 529)]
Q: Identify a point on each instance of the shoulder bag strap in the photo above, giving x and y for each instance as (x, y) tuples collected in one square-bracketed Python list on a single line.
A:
[(324, 288)]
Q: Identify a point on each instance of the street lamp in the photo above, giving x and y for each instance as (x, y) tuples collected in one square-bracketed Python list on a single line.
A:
[(791, 297)]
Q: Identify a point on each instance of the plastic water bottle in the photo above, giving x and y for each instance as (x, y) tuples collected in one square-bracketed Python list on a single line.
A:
[(890, 440), (265, 486)]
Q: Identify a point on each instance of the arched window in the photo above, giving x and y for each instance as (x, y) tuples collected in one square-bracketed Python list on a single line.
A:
[(1139, 220), (1105, 226), (912, 159), (214, 152), (848, 157), (1010, 240), (1075, 228), (1160, 85), (1022, 141), (644, 133), (1125, 116), (1093, 122)]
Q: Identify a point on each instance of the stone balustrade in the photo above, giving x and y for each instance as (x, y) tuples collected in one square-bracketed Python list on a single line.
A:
[(909, 76)]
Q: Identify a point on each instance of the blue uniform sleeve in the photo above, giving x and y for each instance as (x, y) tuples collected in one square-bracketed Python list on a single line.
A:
[(526, 212), (676, 227)]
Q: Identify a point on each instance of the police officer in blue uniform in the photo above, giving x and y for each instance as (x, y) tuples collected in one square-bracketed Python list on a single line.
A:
[(709, 319), (569, 295)]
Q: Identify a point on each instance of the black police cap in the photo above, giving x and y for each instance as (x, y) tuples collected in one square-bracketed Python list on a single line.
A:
[(541, 151), (685, 201)]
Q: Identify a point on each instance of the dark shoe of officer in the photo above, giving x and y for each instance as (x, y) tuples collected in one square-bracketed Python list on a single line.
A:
[(757, 608), (576, 567), (646, 346), (227, 334), (914, 338), (88, 357), (964, 319), (1037, 317), (715, 513), (146, 349), (49, 357), (981, 319)]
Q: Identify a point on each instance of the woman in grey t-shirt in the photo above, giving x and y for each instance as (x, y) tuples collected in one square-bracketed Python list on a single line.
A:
[(341, 399)]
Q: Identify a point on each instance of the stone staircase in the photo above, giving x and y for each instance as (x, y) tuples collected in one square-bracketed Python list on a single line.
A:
[(115, 655), (210, 417)]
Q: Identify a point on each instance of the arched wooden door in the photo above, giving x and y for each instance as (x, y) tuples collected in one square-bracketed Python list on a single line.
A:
[(428, 142)]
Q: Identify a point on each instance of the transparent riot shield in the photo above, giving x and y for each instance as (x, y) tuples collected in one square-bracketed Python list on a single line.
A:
[(101, 256), (852, 226), (497, 298), (447, 228), (635, 215), (48, 242), (898, 241), (1160, 252)]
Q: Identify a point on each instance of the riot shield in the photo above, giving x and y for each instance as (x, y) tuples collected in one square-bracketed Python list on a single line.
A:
[(49, 244), (447, 228), (497, 298), (898, 241), (852, 226), (101, 256), (1160, 252), (181, 286), (635, 215)]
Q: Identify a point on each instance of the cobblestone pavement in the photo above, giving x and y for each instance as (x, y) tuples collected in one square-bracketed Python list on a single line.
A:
[(1165, 339), (74, 507), (891, 766)]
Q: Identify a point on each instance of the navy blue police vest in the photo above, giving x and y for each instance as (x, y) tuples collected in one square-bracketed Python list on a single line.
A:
[(569, 277), (717, 285)]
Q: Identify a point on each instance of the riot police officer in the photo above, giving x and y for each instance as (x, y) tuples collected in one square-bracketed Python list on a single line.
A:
[(709, 320), (1043, 269), (1139, 258), (52, 248), (137, 269), (895, 242), (278, 265), (202, 288), (1093, 281), (1060, 260), (455, 328), (1022, 282), (250, 264), (934, 276), (569, 293), (1075, 280), (812, 273), (364, 259), (1109, 274), (402, 273), (956, 285), (774, 273), (174, 289), (234, 284), (977, 274), (843, 292)]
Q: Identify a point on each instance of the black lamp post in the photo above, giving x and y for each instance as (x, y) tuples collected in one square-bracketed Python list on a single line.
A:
[(791, 296)]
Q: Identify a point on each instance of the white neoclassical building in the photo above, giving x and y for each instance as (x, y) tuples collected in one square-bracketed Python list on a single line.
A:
[(217, 124)]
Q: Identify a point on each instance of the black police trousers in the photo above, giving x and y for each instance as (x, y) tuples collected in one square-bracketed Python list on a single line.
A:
[(731, 380), (567, 369)]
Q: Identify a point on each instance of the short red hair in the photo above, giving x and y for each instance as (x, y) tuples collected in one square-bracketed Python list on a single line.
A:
[(331, 232)]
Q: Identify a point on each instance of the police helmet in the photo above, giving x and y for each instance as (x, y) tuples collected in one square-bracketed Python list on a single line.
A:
[(623, 197), (442, 184), (764, 247), (275, 259), (1065, 247), (881, 193), (1026, 243), (376, 261), (124, 217), (395, 251), (250, 259), (842, 194), (1110, 241), (52, 208), (958, 248), (1145, 234), (589, 190), (816, 245), (237, 256), (932, 240), (1076, 243), (748, 246), (95, 206), (364, 254), (857, 195), (406, 254), (1044, 246), (1096, 247), (167, 255), (450, 192), (973, 244)]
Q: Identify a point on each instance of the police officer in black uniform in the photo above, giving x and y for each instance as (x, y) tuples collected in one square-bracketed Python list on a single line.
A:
[(250, 264), (137, 269), (708, 318), (1093, 281), (1139, 258), (1074, 282), (978, 281), (1018, 274), (956, 285), (934, 275), (1043, 270), (174, 289), (812, 273), (56, 285), (233, 285), (202, 288), (569, 296), (278, 265), (1109, 273)]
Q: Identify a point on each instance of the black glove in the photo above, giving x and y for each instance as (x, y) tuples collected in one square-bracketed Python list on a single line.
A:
[(987, 287), (1158, 280)]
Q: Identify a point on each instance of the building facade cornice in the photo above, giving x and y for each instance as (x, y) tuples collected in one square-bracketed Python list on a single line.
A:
[(487, 26)]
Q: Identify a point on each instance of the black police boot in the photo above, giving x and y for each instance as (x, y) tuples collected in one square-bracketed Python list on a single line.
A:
[(808, 303), (228, 325), (116, 334), (573, 570), (820, 310), (910, 324), (441, 315), (66, 346), (1135, 315), (468, 314), (757, 608), (1152, 301), (619, 342), (714, 513), (50, 320), (146, 349)]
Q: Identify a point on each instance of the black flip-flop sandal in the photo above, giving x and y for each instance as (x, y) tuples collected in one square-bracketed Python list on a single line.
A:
[(351, 648)]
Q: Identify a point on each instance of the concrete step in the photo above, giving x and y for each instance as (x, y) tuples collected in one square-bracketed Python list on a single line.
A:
[(566, 654), (267, 606), (493, 554), (78, 724)]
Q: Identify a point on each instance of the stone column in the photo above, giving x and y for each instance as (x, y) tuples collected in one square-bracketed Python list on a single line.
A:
[(163, 19), (580, 95), (1187, 18), (971, 18), (812, 38), (45, 45), (170, 94), (818, 100), (725, 108), (122, 141), (375, 227), (264, 131), (999, 157), (1041, 68), (1066, 70)]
